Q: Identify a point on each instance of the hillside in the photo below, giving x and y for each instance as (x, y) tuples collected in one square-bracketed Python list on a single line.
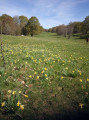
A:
[(48, 74)]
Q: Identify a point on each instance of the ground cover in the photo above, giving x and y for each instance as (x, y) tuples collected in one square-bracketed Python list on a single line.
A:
[(44, 77)]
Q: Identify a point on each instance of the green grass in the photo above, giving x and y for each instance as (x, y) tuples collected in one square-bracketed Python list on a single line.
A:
[(52, 70)]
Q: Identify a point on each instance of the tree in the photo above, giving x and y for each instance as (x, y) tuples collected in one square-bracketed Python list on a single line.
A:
[(86, 24), (8, 25), (41, 29), (32, 27), (76, 27), (16, 19), (23, 22), (61, 30), (70, 28)]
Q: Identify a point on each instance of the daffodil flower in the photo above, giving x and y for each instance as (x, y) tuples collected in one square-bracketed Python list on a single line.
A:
[(80, 80), (18, 103), (14, 92), (81, 105), (45, 69), (3, 104), (22, 107), (87, 79), (62, 77), (26, 96), (9, 91), (37, 77)]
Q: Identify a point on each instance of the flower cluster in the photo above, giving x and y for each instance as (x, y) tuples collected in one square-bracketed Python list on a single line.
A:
[(11, 101)]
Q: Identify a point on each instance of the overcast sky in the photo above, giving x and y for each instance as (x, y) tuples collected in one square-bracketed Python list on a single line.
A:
[(49, 12)]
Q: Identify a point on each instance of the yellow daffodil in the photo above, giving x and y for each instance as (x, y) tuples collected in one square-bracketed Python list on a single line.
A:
[(37, 77), (14, 92), (80, 73), (87, 79), (32, 58), (66, 68), (30, 76), (62, 77), (19, 91), (35, 73), (69, 61), (22, 107), (45, 75), (42, 72), (9, 91), (81, 105), (26, 96), (80, 80), (45, 69), (18, 103), (3, 104)]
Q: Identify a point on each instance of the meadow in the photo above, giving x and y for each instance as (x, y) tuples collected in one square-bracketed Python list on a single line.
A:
[(45, 77)]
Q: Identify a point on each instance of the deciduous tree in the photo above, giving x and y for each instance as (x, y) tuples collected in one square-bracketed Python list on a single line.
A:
[(33, 26)]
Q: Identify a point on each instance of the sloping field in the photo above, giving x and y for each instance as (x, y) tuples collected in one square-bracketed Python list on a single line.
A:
[(45, 77)]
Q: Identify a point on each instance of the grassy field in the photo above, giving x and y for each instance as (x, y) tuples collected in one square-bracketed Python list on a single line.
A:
[(45, 77)]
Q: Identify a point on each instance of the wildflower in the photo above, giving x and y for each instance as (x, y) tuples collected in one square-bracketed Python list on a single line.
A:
[(35, 73), (13, 92), (18, 103), (45, 75), (19, 91), (15, 61), (9, 91), (62, 77), (30, 76), (37, 77), (72, 71), (26, 62), (80, 73), (66, 68), (42, 72), (81, 105), (45, 69), (22, 107), (81, 58), (32, 58), (3, 104), (69, 61), (80, 80), (47, 78), (26, 96), (87, 79)]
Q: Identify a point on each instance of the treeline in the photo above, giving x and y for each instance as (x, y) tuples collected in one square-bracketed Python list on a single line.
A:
[(19, 25), (71, 28)]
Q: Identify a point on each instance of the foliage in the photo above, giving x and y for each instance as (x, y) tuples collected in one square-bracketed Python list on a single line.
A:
[(33, 26), (71, 28), (86, 24), (19, 25), (7, 24), (11, 101)]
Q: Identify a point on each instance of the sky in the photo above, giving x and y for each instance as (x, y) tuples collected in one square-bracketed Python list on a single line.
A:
[(49, 12)]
